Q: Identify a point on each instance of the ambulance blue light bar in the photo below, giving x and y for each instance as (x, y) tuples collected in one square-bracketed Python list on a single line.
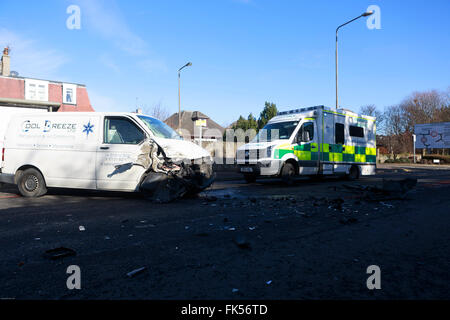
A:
[(299, 110)]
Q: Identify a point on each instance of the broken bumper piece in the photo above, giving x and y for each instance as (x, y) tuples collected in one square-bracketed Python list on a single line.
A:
[(175, 180)]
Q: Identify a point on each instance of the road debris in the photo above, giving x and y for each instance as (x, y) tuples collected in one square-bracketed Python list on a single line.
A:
[(391, 189), (386, 204), (145, 226), (135, 272), (241, 241), (59, 253), (348, 220)]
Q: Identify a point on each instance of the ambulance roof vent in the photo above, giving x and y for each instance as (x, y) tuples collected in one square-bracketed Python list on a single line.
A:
[(299, 110)]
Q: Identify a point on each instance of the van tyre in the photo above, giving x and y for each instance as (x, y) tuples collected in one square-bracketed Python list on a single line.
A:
[(31, 183), (353, 174), (250, 178), (288, 174)]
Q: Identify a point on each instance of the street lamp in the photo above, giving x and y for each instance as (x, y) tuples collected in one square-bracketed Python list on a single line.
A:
[(179, 94), (365, 14)]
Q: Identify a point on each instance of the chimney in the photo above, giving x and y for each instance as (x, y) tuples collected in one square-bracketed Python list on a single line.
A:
[(5, 70)]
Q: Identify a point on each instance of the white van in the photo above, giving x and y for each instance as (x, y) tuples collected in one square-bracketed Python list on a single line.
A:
[(311, 141), (100, 151)]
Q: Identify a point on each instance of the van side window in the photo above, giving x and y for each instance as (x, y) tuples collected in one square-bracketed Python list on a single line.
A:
[(339, 133), (122, 131), (306, 132), (357, 131)]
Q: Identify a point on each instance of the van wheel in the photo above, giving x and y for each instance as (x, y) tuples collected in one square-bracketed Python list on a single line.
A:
[(249, 178), (288, 174), (353, 173), (31, 183)]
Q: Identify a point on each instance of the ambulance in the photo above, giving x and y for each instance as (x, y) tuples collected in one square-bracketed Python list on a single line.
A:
[(314, 141)]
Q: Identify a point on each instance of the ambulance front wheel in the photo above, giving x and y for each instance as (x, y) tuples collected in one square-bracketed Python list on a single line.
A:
[(250, 178), (288, 173), (31, 183)]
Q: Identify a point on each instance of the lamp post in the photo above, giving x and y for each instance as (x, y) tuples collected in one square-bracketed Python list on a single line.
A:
[(365, 14), (179, 94)]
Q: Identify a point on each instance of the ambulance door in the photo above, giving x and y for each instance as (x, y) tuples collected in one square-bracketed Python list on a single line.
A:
[(306, 147), (327, 142), (338, 150)]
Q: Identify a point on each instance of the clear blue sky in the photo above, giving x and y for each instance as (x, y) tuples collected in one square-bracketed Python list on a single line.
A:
[(244, 52)]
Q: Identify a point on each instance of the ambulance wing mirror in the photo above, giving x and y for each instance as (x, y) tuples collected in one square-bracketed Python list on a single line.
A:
[(306, 136), (303, 135)]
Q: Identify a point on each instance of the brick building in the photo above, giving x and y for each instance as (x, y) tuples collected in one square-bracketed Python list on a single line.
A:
[(21, 94), (29, 95)]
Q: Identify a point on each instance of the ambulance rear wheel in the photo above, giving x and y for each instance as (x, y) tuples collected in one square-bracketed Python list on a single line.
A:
[(353, 174), (249, 178), (288, 173), (31, 183)]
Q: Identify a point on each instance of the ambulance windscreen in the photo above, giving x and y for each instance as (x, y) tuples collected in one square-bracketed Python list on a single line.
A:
[(276, 131)]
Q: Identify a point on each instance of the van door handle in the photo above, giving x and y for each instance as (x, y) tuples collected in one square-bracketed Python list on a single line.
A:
[(104, 148)]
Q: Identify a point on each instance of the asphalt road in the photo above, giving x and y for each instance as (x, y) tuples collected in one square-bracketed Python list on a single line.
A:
[(314, 240)]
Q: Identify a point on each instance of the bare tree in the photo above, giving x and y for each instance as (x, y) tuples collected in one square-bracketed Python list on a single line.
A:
[(426, 107), (372, 111), (396, 128), (157, 111)]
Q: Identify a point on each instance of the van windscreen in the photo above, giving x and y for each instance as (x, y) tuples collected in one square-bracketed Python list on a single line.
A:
[(159, 128)]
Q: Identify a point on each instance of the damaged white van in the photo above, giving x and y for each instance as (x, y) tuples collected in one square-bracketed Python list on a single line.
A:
[(102, 151)]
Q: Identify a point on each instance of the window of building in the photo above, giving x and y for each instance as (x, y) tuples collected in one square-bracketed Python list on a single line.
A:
[(339, 133), (122, 131), (69, 93), (357, 131), (36, 90)]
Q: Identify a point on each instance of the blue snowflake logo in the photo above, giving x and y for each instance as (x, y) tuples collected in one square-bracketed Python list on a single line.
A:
[(88, 128)]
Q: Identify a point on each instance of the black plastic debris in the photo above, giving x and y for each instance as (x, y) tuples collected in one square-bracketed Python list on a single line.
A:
[(241, 241), (202, 234), (391, 189), (399, 186), (348, 220), (59, 253), (337, 203)]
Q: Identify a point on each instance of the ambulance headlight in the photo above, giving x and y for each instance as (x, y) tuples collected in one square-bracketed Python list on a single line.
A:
[(269, 152)]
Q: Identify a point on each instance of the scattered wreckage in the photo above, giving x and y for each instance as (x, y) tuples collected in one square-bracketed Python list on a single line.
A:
[(166, 180)]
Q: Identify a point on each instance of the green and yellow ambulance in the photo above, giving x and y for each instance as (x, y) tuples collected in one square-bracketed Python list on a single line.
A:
[(314, 141)]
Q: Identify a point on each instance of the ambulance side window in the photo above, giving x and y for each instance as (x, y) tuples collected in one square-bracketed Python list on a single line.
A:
[(339, 133), (306, 132), (357, 132), (122, 131)]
